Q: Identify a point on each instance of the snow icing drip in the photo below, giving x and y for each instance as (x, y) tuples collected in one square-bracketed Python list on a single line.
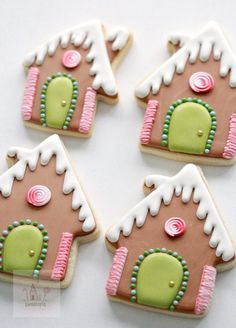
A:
[(116, 271), (149, 120), (30, 90), (209, 42), (88, 111), (230, 147), (206, 289), (42, 154), (187, 184)]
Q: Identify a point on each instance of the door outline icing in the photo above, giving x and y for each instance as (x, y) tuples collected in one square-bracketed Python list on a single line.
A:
[(73, 102), (43, 252), (138, 263), (171, 109)]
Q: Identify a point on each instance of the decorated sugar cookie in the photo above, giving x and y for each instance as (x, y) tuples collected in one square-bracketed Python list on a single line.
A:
[(190, 100), (68, 74), (44, 213), (169, 247)]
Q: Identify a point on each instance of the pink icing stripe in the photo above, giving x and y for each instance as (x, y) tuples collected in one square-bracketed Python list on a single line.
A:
[(60, 265), (30, 90), (116, 270), (230, 147), (206, 289), (88, 110), (149, 119)]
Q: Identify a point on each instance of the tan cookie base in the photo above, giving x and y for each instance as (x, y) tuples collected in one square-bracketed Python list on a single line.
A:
[(108, 100), (151, 309), (73, 252), (187, 157), (220, 268)]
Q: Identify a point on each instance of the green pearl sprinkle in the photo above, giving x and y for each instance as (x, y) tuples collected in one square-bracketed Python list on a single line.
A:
[(164, 143), (22, 222), (10, 227)]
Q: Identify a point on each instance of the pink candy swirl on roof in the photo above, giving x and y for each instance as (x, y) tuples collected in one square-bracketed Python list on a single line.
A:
[(175, 227), (38, 195), (201, 82), (71, 58)]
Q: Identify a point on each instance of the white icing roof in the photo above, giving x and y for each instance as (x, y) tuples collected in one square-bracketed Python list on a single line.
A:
[(91, 36), (211, 40), (187, 183), (52, 146)]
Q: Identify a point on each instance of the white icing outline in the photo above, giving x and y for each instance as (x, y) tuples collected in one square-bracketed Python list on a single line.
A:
[(51, 146), (91, 36), (211, 40), (187, 183)]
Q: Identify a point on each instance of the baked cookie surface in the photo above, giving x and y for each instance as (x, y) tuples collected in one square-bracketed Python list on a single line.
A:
[(68, 74), (44, 214), (169, 247), (190, 100)]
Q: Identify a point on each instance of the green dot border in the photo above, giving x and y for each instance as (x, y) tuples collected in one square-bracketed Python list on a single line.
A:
[(184, 282), (42, 255), (174, 105), (72, 104)]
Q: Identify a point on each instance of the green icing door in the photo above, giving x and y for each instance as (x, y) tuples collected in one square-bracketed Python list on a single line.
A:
[(22, 249), (57, 101), (189, 128), (159, 279)]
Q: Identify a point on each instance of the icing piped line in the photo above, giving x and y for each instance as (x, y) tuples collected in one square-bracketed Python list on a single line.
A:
[(91, 36), (60, 266), (88, 111), (119, 37), (50, 147), (230, 147), (116, 270), (149, 120), (188, 183), (211, 40), (29, 94), (206, 289)]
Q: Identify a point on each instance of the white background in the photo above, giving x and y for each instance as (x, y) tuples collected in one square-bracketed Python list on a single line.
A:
[(110, 164)]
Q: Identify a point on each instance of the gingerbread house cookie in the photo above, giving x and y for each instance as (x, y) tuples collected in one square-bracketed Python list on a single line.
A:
[(169, 247), (68, 74), (43, 215), (190, 100)]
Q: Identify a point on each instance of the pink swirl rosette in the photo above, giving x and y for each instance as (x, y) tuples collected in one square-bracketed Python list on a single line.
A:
[(201, 82), (175, 227), (71, 58), (38, 195)]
